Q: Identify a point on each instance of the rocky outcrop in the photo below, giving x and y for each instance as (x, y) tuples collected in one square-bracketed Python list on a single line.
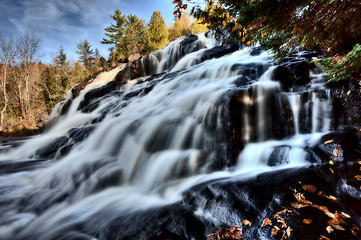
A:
[(42, 119), (294, 71), (346, 102)]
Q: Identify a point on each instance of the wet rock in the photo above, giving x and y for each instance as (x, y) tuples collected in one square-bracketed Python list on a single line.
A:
[(64, 144), (216, 52), (99, 92), (7, 167), (187, 43), (346, 102), (341, 145), (256, 51), (278, 156), (244, 114), (294, 73), (250, 70)]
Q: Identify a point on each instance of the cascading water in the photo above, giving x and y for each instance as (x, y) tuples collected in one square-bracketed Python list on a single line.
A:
[(128, 155)]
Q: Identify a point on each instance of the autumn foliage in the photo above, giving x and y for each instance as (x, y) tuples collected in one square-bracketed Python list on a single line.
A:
[(331, 27)]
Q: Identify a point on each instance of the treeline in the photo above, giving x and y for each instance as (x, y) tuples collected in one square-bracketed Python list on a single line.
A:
[(29, 89), (129, 34)]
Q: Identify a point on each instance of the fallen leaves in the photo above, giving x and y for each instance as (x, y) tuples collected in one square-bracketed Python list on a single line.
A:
[(275, 231), (280, 225), (331, 198), (335, 153), (309, 188), (232, 233), (246, 223), (307, 221), (345, 215), (266, 222), (329, 229), (358, 177)]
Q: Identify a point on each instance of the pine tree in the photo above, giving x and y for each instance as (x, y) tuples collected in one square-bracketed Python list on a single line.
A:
[(157, 32), (86, 53), (134, 38), (60, 58), (127, 35)]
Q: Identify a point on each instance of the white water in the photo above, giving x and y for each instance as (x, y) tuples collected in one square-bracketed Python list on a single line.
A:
[(157, 146)]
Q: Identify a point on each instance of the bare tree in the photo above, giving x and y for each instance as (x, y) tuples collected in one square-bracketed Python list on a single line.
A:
[(28, 47), (8, 53)]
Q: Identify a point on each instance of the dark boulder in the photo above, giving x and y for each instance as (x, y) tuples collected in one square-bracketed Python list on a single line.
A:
[(346, 102), (216, 52), (293, 73), (338, 146), (62, 145)]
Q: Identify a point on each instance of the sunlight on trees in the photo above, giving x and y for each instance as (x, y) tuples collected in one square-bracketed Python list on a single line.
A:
[(157, 33), (331, 27)]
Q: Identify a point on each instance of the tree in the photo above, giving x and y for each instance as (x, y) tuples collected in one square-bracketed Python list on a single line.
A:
[(60, 58), (198, 26), (134, 39), (180, 27), (8, 53), (28, 47), (86, 53), (330, 26), (127, 35), (157, 33)]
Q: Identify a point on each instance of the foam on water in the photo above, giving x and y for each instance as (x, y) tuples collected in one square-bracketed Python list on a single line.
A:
[(148, 152)]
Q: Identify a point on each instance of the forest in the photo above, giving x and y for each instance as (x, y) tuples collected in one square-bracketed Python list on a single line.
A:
[(30, 89)]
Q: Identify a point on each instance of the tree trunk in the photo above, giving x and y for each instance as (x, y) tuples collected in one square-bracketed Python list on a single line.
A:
[(3, 110)]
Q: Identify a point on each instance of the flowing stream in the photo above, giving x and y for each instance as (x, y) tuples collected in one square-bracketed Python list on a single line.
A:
[(145, 144)]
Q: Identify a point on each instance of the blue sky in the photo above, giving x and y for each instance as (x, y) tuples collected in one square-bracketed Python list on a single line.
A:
[(67, 22)]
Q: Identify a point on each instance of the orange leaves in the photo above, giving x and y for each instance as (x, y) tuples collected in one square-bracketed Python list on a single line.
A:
[(266, 222), (335, 152), (246, 223), (275, 231), (280, 226), (237, 27), (232, 233), (358, 177), (309, 188), (329, 229), (307, 221)]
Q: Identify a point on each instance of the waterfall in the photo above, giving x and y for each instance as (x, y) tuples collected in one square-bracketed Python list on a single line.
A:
[(144, 144)]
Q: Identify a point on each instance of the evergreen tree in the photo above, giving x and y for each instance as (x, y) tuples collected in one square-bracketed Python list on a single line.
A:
[(134, 39), (86, 53), (60, 58), (157, 32), (126, 35)]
